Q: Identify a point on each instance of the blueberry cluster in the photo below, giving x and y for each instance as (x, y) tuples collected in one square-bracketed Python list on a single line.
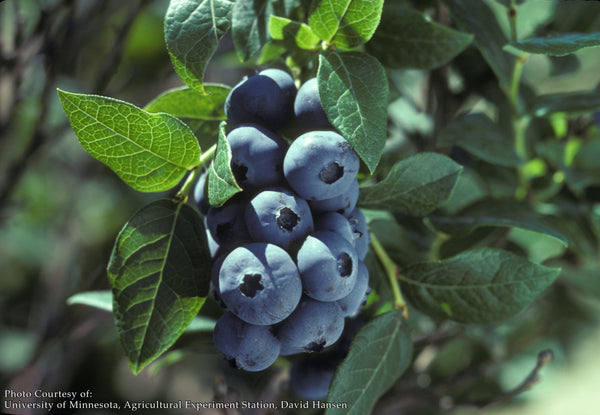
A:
[(288, 249)]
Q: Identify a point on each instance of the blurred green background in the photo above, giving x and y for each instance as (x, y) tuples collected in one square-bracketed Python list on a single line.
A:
[(60, 211)]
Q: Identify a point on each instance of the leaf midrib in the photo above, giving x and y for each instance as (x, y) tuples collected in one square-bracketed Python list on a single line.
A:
[(379, 365), (67, 97), (161, 274), (393, 195), (470, 286), (353, 87), (337, 21)]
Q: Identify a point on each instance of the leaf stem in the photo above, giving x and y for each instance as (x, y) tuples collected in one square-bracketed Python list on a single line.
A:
[(207, 155), (520, 122), (182, 195), (436, 245), (514, 85), (512, 17), (392, 271), (520, 125), (545, 357)]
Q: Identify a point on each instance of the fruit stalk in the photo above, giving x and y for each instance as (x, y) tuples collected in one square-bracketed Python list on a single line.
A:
[(392, 272), (182, 195), (519, 121)]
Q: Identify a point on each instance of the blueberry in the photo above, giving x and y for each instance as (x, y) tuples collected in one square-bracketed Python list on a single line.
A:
[(278, 216), (335, 222), (214, 276), (260, 283), (200, 193), (213, 246), (312, 327), (285, 82), (310, 378), (256, 156), (258, 99), (344, 203), (352, 303), (362, 236), (245, 346), (308, 109), (328, 266), (320, 165), (226, 224), (351, 327)]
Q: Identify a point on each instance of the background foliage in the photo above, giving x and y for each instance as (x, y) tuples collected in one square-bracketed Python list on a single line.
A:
[(60, 210)]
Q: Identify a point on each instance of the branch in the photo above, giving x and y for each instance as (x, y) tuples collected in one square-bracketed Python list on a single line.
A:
[(544, 358)]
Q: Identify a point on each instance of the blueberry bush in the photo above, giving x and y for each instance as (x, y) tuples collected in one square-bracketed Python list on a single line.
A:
[(381, 182)]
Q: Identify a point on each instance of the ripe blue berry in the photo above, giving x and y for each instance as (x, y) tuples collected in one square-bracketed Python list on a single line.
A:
[(328, 266), (200, 194), (258, 99), (320, 165), (362, 241), (226, 224), (285, 82), (256, 156), (352, 303), (335, 222), (344, 203), (260, 283), (310, 378), (213, 246), (245, 346), (308, 109), (214, 275), (312, 327), (278, 216)]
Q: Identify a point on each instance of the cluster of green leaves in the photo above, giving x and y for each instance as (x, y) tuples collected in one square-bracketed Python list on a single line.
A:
[(446, 226)]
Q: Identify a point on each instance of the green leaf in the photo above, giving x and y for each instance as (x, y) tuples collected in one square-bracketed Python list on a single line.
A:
[(475, 16), (588, 154), (479, 286), (200, 323), (159, 272), (249, 22), (483, 138), (193, 29), (539, 247), (354, 93), (415, 186), (455, 244), (531, 16), (103, 300), (345, 23), (150, 152), (221, 181), (378, 280), (571, 102), (291, 32), (188, 103), (380, 353), (468, 188), (203, 113), (407, 39), (558, 45), (396, 241), (271, 51), (496, 212)]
